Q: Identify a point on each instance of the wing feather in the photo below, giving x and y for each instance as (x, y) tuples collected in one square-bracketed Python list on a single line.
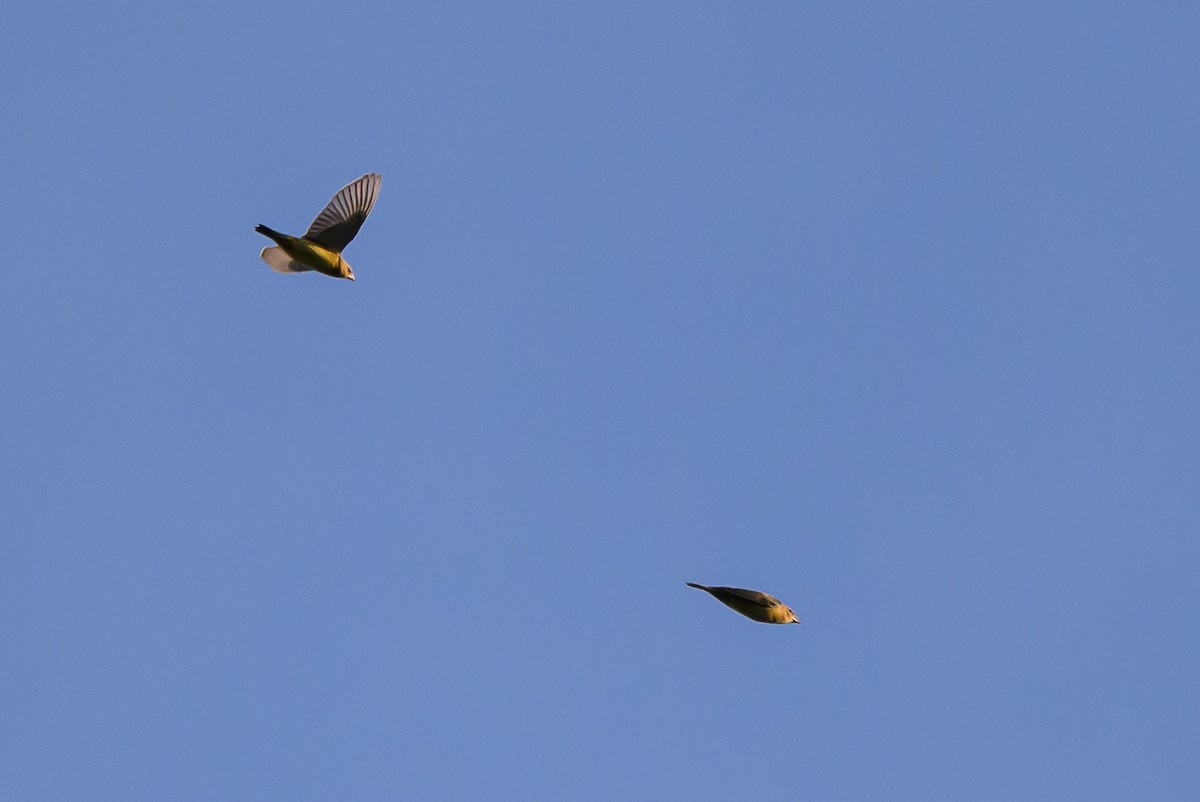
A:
[(345, 213), (753, 596)]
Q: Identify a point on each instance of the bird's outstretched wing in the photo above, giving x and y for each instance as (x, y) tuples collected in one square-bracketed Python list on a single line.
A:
[(753, 596), (341, 219)]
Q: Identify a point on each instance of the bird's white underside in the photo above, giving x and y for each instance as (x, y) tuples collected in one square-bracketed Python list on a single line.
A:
[(280, 262)]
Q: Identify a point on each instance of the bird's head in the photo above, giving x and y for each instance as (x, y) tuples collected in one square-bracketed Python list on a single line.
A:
[(344, 267)]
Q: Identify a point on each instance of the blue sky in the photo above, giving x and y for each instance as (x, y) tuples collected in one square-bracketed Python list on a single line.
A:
[(888, 310)]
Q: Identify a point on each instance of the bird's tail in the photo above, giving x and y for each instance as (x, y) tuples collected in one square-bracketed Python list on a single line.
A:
[(694, 585), (268, 232)]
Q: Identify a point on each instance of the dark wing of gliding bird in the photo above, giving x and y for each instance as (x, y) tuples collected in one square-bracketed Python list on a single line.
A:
[(341, 219), (753, 596)]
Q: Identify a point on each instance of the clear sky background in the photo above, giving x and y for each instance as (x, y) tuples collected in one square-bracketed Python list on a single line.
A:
[(890, 310)]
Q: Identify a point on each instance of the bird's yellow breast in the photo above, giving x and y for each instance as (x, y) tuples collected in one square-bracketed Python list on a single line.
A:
[(775, 614), (311, 254)]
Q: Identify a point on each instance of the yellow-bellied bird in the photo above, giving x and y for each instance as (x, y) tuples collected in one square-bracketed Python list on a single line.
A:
[(752, 604), (321, 246)]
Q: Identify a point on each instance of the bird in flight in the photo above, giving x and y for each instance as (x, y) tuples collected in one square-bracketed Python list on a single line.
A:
[(321, 246), (752, 604)]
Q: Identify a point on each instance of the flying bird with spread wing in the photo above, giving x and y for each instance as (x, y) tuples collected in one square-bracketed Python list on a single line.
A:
[(752, 604), (321, 247)]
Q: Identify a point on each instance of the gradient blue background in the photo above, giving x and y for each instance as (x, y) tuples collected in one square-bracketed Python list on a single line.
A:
[(889, 310)]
